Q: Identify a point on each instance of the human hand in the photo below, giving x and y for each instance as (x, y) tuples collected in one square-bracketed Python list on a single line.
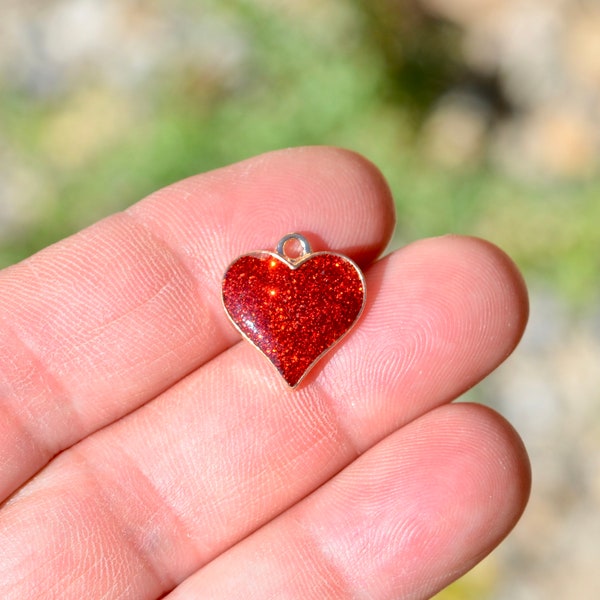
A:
[(146, 451)]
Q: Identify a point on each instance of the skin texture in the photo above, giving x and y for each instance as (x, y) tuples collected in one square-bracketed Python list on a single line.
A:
[(145, 451)]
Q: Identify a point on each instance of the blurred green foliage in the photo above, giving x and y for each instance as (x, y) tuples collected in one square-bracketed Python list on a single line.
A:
[(345, 75)]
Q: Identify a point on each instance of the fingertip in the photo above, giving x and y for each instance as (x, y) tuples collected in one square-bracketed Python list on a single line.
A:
[(482, 282), (503, 276), (441, 314), (428, 503), (352, 201), (499, 463)]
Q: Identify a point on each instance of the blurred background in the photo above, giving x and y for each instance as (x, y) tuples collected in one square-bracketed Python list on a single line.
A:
[(483, 114)]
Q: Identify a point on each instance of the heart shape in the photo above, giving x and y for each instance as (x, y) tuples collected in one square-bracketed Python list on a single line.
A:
[(293, 309)]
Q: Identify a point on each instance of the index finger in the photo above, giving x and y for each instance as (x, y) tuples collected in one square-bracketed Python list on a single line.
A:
[(97, 325)]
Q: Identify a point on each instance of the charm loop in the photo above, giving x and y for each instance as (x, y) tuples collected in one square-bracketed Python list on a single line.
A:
[(303, 244)]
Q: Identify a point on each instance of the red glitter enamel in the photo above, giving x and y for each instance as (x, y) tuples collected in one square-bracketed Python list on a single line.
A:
[(293, 311)]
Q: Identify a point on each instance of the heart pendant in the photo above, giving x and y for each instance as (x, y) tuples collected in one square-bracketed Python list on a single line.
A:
[(293, 309)]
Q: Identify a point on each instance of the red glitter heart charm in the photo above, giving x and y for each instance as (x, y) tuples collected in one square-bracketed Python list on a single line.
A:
[(293, 309)]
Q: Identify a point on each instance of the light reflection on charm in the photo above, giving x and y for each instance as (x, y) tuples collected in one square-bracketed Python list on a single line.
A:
[(293, 308)]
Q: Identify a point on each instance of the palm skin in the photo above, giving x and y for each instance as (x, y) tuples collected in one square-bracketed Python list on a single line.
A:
[(148, 452)]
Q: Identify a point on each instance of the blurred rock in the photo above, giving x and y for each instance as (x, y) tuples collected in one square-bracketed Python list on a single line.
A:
[(545, 55), (557, 141), (550, 391), (20, 186), (454, 134), (48, 49)]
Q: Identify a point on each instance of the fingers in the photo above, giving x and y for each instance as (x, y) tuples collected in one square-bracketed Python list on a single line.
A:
[(95, 326), (403, 521), (176, 483), (453, 311)]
